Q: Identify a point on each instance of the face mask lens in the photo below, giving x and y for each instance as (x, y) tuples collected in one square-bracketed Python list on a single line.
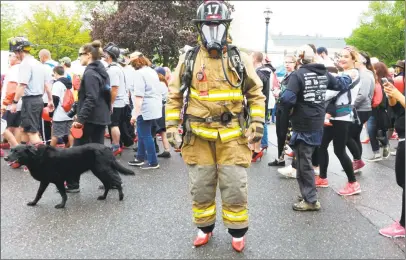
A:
[(213, 32)]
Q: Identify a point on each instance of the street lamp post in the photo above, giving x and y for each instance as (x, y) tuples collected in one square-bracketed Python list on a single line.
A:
[(267, 15)]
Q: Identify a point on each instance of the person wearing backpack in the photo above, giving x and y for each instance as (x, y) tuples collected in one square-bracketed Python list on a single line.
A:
[(340, 107), (222, 111), (63, 100)]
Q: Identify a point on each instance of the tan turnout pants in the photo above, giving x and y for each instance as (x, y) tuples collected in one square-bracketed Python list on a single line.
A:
[(212, 162)]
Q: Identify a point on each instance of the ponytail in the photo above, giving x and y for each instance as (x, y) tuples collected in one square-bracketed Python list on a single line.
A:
[(366, 60)]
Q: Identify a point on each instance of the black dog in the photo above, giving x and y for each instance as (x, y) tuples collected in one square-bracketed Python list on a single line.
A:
[(53, 165)]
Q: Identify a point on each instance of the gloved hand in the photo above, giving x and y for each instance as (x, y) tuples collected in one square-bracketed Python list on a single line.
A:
[(254, 132), (174, 138)]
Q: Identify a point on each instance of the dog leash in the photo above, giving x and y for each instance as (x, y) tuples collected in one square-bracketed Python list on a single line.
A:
[(43, 128)]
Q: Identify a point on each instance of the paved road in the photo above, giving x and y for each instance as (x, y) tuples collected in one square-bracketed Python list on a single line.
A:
[(154, 220)]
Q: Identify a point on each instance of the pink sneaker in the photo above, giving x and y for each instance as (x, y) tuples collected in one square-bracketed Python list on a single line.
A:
[(321, 183), (394, 230), (357, 165), (350, 189)]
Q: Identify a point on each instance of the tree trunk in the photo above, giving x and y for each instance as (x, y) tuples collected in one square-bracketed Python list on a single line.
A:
[(166, 59)]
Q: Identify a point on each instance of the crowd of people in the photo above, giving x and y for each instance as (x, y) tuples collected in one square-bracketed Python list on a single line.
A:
[(374, 101), (104, 93), (111, 93)]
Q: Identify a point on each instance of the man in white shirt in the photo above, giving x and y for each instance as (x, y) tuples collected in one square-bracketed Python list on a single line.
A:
[(32, 81), (45, 58), (49, 64), (127, 133), (118, 93)]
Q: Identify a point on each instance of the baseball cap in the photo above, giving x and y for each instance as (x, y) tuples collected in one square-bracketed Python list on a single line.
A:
[(65, 60), (161, 71)]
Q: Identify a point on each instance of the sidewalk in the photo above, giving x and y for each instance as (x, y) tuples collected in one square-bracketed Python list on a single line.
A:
[(381, 198)]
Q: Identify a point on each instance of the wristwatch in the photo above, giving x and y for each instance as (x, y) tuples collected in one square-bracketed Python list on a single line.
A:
[(15, 102)]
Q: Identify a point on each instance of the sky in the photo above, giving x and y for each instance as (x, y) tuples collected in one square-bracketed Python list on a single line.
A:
[(332, 18)]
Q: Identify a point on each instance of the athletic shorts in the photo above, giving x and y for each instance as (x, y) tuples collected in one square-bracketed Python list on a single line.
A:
[(61, 128), (116, 116), (31, 111)]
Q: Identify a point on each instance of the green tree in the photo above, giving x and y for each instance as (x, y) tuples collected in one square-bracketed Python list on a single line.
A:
[(8, 24), (382, 31), (60, 32)]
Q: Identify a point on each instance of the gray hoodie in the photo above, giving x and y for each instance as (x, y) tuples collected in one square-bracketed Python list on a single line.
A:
[(363, 101)]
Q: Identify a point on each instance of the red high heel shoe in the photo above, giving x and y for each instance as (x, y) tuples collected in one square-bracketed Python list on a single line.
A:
[(257, 157), (118, 152), (201, 240), (238, 244), (4, 146)]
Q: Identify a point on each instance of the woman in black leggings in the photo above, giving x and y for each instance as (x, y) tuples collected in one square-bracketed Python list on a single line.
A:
[(282, 115), (338, 132), (397, 101)]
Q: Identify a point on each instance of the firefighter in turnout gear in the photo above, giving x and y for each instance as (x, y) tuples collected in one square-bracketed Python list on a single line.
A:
[(216, 95)]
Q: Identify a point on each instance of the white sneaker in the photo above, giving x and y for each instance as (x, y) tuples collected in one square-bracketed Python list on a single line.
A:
[(288, 172), (374, 158)]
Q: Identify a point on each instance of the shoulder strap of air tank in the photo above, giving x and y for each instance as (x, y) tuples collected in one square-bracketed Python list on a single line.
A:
[(191, 57)]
